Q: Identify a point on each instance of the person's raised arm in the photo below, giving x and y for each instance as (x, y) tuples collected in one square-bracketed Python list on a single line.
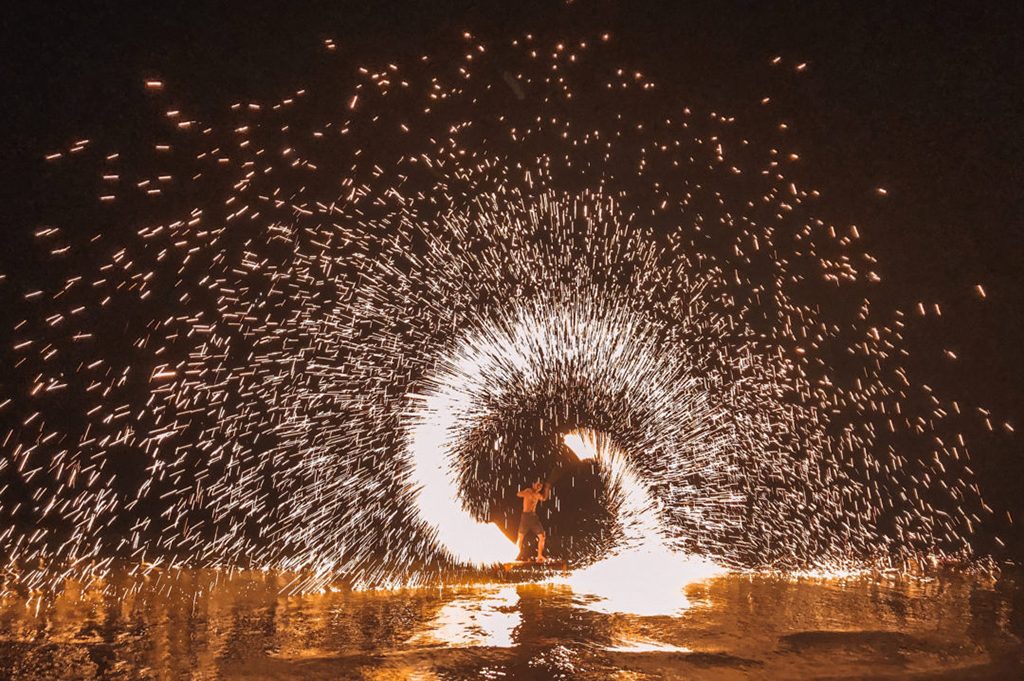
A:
[(522, 492), (547, 491)]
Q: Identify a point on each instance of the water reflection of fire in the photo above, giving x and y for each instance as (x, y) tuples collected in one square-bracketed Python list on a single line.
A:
[(245, 625), (486, 618)]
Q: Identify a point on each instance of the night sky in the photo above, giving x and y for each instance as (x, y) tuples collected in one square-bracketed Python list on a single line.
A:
[(926, 102)]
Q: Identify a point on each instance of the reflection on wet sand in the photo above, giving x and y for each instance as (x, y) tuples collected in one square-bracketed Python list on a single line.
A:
[(738, 626), (487, 617)]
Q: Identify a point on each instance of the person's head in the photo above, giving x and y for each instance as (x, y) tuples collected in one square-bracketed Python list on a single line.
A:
[(537, 485)]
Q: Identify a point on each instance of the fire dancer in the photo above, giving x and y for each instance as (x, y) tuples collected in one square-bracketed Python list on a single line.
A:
[(529, 522)]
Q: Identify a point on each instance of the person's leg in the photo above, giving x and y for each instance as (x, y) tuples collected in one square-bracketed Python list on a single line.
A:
[(540, 546), (519, 543)]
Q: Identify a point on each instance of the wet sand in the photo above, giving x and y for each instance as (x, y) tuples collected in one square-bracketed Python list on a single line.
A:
[(212, 626)]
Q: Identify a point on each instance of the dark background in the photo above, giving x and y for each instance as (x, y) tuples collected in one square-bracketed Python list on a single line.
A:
[(927, 101)]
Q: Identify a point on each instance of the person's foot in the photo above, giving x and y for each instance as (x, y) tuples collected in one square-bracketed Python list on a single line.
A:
[(541, 559)]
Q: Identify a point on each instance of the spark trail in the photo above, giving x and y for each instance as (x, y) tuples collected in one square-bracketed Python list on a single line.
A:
[(296, 338)]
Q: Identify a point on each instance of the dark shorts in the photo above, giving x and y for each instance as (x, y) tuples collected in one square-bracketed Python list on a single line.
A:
[(529, 522)]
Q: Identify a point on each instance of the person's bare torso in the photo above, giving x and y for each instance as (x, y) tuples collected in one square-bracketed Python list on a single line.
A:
[(530, 501)]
